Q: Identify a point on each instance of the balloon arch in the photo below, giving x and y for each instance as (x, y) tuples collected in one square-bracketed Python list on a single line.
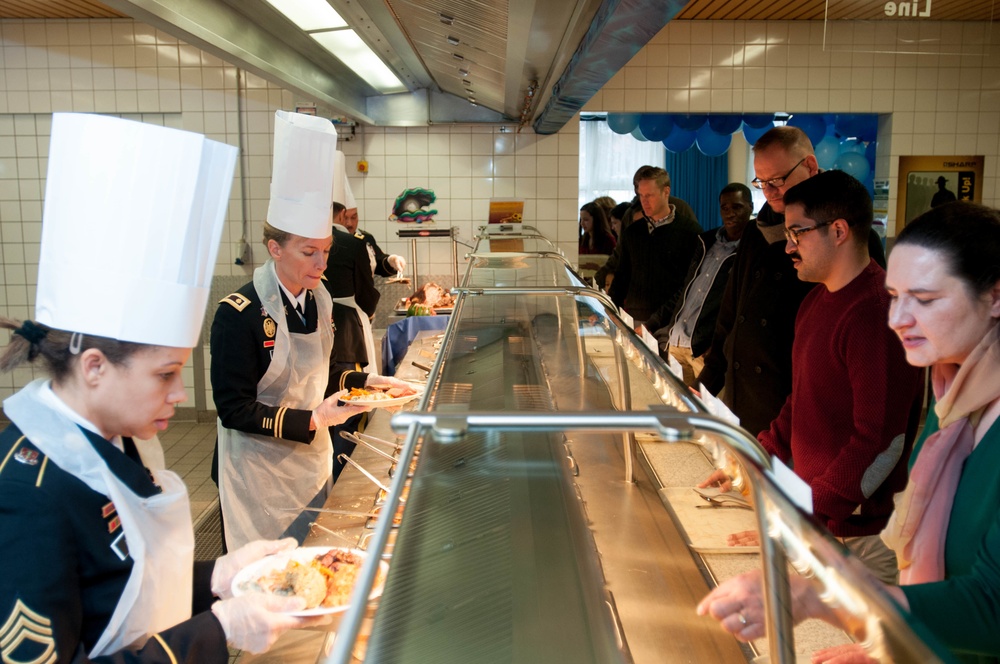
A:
[(844, 141)]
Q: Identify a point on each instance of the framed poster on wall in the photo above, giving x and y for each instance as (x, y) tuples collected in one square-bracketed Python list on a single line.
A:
[(929, 181)]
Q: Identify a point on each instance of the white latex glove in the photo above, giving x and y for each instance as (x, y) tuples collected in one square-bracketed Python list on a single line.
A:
[(227, 566), (253, 622), (397, 262), (331, 412), (375, 380)]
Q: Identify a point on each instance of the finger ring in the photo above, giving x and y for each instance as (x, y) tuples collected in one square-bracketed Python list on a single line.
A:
[(743, 618)]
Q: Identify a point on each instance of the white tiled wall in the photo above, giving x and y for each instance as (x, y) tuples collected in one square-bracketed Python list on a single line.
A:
[(933, 104), (128, 68)]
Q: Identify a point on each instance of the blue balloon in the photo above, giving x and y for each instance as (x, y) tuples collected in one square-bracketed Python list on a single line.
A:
[(857, 125), (622, 123), (870, 152), (637, 134), (813, 125), (655, 126), (852, 145), (679, 140), (827, 151), (711, 143), (853, 164), (724, 123), (758, 120), (690, 122), (753, 133)]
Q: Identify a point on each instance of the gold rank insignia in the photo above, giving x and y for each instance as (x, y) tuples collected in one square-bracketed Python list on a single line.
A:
[(26, 637), (236, 301), (270, 327)]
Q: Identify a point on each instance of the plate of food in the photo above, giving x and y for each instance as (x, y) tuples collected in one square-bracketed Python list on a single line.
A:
[(321, 575), (380, 396)]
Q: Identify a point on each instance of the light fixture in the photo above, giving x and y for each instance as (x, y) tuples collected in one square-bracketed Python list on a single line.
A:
[(310, 14), (463, 72), (454, 41), (447, 20), (350, 49), (458, 56)]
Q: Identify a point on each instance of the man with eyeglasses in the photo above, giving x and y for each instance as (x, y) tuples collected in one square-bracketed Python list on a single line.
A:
[(849, 423), (749, 364)]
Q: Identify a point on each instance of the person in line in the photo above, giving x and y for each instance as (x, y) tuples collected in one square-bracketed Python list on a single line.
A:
[(943, 280), (849, 422), (96, 537), (655, 255), (686, 331), (606, 274), (272, 361), (619, 219), (595, 231), (749, 363)]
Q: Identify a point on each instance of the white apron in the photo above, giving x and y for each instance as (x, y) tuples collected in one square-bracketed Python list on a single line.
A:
[(157, 529), (366, 325), (265, 482)]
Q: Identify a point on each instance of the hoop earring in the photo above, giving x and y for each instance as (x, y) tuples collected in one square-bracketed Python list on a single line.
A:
[(75, 343)]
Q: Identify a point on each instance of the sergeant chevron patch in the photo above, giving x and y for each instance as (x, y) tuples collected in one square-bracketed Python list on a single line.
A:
[(26, 637)]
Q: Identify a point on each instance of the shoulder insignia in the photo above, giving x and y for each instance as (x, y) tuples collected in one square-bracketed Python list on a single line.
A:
[(360, 235), (236, 301), (26, 637)]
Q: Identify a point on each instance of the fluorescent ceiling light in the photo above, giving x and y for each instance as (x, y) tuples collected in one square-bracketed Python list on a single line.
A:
[(310, 14), (350, 49)]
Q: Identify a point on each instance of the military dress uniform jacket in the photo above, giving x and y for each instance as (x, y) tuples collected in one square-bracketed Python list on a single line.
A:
[(65, 564), (349, 274), (242, 342), (382, 266)]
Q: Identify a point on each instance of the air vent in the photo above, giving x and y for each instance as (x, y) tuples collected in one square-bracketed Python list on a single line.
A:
[(458, 56), (463, 72), (447, 20), (454, 41)]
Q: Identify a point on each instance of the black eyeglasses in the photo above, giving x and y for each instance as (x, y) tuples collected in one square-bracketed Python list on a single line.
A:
[(792, 234), (775, 182)]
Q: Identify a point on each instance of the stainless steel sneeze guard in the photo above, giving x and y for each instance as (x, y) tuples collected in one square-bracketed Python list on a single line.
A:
[(499, 556)]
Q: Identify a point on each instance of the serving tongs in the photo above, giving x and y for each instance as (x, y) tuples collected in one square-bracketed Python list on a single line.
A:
[(722, 500), (398, 279), (346, 459), (347, 435)]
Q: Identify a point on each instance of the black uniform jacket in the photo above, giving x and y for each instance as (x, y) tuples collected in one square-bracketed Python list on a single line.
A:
[(349, 272), (242, 343), (65, 564), (382, 266)]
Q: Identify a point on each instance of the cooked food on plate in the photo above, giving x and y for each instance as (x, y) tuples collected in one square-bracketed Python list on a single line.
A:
[(325, 581), (377, 393)]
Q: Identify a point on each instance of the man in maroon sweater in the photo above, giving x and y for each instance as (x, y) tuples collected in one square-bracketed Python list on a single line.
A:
[(844, 427)]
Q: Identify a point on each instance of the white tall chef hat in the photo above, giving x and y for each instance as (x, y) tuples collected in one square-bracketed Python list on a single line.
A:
[(341, 187), (302, 175), (131, 228)]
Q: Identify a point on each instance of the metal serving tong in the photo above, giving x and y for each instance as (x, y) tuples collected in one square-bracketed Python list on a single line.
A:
[(724, 500), (398, 279), (347, 459), (347, 435), (374, 441)]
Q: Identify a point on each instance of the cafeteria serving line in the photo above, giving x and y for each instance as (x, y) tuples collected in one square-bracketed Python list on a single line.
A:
[(551, 456)]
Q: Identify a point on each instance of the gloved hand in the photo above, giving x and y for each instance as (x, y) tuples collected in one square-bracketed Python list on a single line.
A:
[(253, 622), (375, 380), (397, 262), (227, 566), (331, 412)]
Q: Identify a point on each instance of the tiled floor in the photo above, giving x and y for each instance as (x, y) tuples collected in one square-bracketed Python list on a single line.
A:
[(188, 448)]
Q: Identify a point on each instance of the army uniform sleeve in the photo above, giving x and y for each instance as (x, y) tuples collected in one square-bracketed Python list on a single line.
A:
[(237, 367), (382, 266), (344, 379), (41, 593)]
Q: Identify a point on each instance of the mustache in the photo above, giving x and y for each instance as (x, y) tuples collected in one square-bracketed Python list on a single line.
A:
[(795, 255)]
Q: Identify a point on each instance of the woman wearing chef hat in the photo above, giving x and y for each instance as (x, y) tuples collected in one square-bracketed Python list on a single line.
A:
[(96, 541), (271, 353)]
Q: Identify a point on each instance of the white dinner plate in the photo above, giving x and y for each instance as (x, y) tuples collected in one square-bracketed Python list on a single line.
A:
[(243, 582), (380, 403)]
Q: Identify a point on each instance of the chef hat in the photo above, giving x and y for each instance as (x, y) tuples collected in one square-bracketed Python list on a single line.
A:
[(302, 175), (341, 187), (131, 228)]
